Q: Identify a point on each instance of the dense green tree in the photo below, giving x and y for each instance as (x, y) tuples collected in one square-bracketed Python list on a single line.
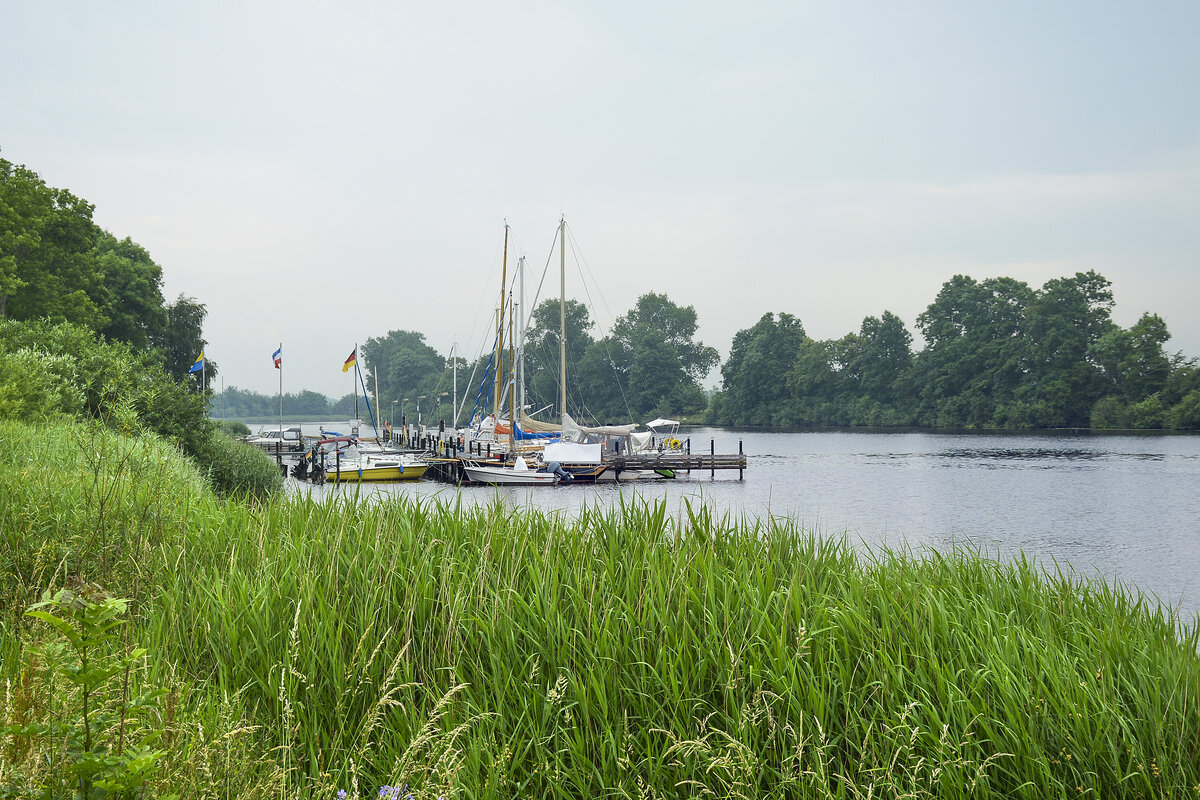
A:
[(47, 267), (21, 202), (1133, 363), (654, 359), (814, 377), (56, 264), (344, 406), (1183, 378), (973, 361), (1185, 415), (243, 404), (883, 358), (598, 395), (543, 383), (130, 291), (755, 376), (1062, 326), (405, 366), (306, 403), (183, 339)]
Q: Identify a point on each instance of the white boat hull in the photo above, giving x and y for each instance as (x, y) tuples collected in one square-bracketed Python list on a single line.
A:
[(507, 476)]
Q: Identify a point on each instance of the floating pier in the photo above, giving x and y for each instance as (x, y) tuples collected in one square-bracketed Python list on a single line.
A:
[(446, 458), (448, 468)]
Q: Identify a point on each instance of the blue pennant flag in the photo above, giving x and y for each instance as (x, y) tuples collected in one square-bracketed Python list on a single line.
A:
[(199, 365)]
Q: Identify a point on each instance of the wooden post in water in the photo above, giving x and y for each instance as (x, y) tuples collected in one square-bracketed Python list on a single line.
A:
[(712, 452), (741, 472)]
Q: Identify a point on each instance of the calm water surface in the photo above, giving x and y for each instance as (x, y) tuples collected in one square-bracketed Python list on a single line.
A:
[(1126, 508)]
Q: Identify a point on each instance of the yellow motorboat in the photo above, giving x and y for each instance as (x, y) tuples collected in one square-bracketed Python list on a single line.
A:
[(376, 468)]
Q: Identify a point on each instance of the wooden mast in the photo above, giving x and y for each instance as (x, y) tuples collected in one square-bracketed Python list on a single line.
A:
[(562, 315), (512, 414), (500, 331)]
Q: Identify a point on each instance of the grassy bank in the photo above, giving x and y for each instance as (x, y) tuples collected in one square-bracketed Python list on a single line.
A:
[(484, 652)]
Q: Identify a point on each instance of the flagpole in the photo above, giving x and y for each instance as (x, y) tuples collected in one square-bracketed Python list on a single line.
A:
[(281, 389)]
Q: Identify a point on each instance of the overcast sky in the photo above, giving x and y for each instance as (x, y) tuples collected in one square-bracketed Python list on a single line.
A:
[(321, 173)]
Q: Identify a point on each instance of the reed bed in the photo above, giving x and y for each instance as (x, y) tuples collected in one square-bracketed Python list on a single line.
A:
[(497, 652), (431, 649), (80, 502)]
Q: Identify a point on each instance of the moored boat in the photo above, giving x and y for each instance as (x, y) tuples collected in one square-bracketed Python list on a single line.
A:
[(286, 440), (376, 468), (519, 474)]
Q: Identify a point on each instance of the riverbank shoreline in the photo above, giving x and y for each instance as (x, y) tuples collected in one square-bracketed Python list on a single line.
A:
[(482, 648)]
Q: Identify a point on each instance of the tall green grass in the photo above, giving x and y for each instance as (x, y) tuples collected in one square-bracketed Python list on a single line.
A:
[(80, 502), (631, 653), (491, 652)]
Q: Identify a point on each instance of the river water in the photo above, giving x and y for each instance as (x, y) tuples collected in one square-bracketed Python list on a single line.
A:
[(1125, 508)]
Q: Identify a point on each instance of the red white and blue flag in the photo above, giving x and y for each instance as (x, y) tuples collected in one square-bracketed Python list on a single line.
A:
[(278, 356)]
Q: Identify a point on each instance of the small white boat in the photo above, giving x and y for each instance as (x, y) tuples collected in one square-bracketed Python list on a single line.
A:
[(285, 440), (519, 474)]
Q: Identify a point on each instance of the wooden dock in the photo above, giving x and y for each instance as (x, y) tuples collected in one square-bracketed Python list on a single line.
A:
[(679, 462), (449, 469)]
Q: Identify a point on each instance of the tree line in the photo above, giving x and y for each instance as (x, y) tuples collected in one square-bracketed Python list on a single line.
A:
[(56, 264), (649, 365), (997, 353)]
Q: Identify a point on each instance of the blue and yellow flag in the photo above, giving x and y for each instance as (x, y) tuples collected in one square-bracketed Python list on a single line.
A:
[(199, 365)]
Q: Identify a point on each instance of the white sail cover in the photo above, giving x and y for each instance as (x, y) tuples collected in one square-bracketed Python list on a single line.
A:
[(532, 425), (573, 431)]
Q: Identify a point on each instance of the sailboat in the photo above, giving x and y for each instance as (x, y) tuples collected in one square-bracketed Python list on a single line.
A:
[(373, 461), (519, 472), (575, 451), (580, 450)]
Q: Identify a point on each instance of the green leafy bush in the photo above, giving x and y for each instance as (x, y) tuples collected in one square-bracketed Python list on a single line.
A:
[(1185, 416), (1109, 413), (1147, 414), (236, 468), (232, 427), (38, 387), (122, 387), (88, 503)]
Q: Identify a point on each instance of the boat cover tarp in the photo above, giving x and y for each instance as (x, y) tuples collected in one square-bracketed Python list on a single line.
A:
[(522, 433), (532, 425), (641, 442), (573, 430), (572, 453)]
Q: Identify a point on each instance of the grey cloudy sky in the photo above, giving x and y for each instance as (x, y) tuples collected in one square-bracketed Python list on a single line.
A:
[(321, 173)]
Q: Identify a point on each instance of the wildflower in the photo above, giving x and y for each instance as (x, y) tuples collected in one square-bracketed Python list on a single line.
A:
[(341, 794)]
